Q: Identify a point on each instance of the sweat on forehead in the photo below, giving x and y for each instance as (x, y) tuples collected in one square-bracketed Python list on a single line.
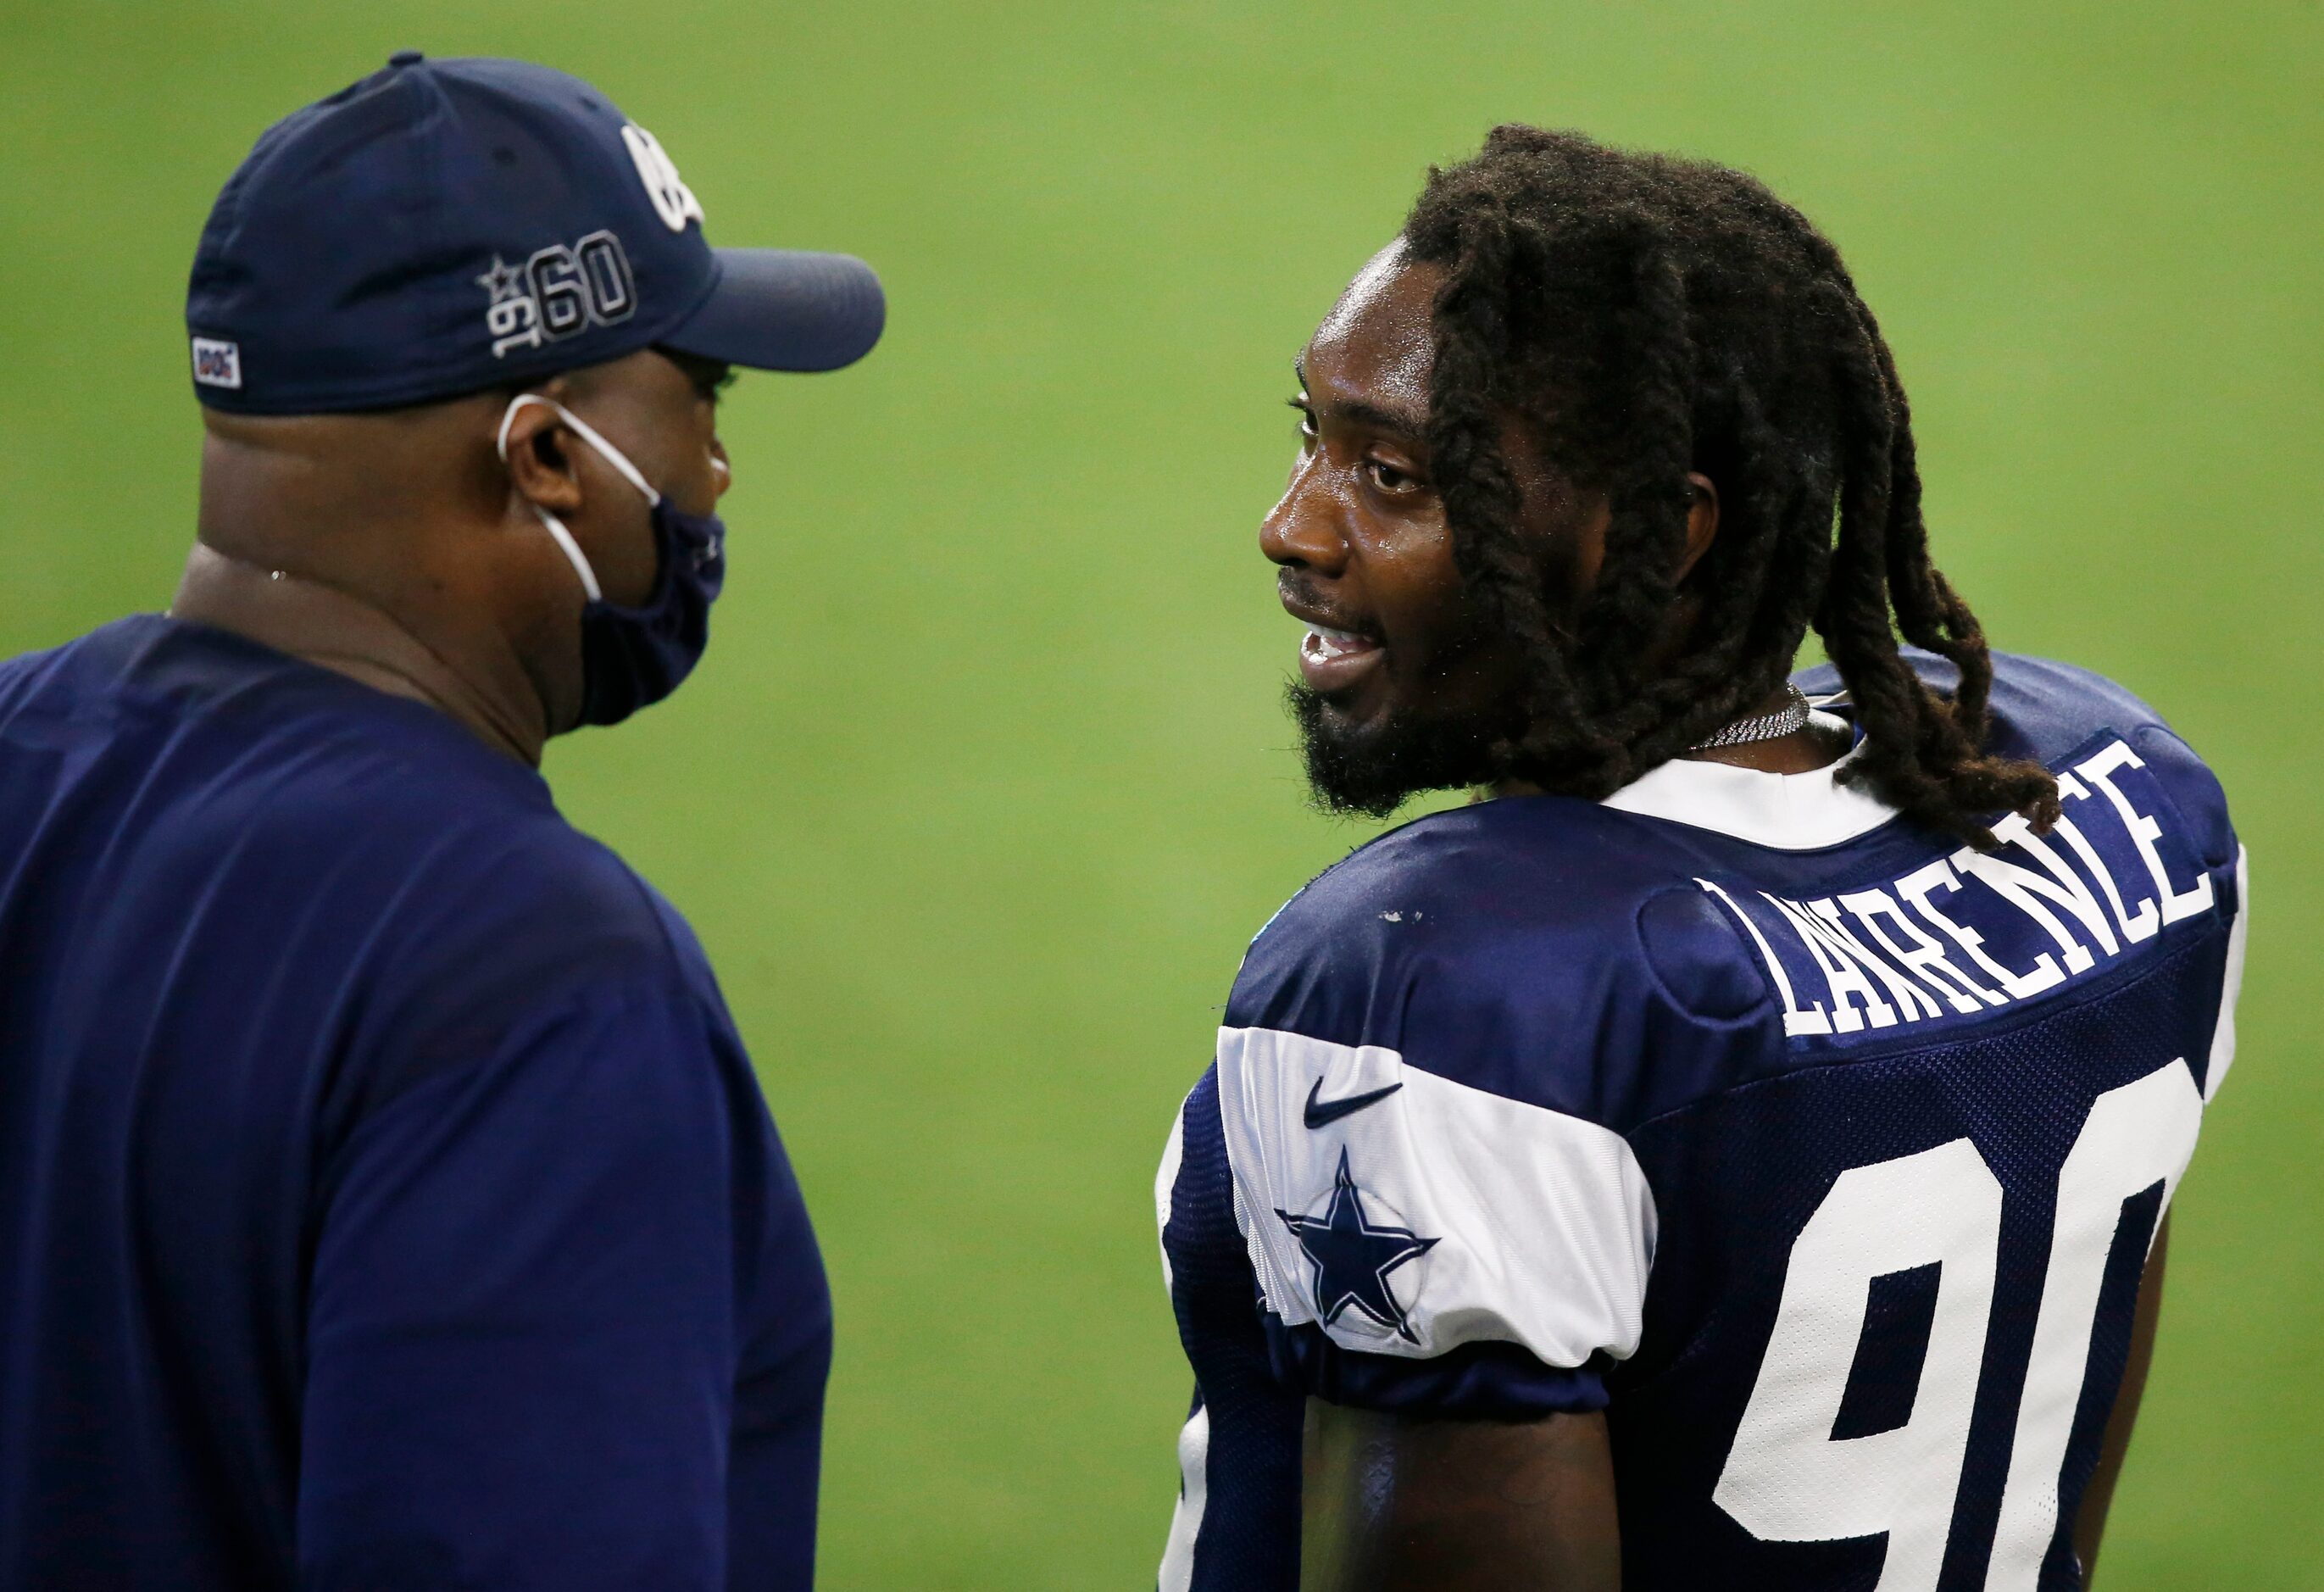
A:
[(1375, 346)]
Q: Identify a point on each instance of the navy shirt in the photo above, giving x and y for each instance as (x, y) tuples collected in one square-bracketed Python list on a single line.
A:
[(1819, 1151), (386, 1200)]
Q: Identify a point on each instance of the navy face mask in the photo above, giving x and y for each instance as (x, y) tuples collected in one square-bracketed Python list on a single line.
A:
[(631, 658)]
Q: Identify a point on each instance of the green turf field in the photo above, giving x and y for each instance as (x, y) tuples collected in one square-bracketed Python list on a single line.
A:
[(984, 785)]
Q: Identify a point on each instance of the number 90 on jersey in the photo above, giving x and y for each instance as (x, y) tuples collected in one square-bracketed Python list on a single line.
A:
[(1788, 1478)]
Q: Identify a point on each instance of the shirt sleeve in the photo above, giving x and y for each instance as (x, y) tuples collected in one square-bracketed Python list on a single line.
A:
[(522, 1331), (1425, 1245)]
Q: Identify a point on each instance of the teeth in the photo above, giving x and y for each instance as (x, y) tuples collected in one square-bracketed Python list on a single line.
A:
[(1323, 642)]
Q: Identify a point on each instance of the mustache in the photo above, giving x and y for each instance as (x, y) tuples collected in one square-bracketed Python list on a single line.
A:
[(1295, 589)]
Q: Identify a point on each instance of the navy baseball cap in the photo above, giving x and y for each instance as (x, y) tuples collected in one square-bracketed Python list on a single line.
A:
[(446, 227)]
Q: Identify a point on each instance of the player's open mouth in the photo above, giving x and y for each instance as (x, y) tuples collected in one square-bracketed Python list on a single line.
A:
[(1334, 659)]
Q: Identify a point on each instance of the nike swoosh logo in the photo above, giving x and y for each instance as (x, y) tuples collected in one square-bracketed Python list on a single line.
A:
[(1320, 1112)]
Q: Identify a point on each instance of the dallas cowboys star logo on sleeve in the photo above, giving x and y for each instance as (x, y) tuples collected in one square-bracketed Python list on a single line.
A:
[(1352, 1257)]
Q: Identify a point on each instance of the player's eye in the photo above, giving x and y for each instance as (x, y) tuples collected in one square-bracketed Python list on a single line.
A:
[(1389, 479), (1307, 421), (710, 381)]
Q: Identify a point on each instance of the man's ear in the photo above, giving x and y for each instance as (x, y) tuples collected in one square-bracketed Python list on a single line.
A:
[(1702, 522), (540, 456)]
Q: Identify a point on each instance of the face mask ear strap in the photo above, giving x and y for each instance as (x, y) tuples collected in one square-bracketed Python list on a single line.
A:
[(572, 550), (587, 433), (508, 418), (550, 523)]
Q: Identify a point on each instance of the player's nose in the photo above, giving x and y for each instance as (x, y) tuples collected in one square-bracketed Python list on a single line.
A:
[(1302, 528)]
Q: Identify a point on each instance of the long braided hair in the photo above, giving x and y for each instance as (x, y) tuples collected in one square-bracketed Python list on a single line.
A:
[(1648, 316)]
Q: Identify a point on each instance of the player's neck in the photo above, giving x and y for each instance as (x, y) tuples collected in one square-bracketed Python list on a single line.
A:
[(336, 628), (1803, 751)]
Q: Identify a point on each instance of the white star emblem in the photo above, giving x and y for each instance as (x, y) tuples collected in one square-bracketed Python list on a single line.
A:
[(503, 282)]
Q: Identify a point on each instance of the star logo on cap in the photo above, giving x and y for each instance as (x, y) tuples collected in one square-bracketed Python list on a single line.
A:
[(1352, 1258), (503, 282)]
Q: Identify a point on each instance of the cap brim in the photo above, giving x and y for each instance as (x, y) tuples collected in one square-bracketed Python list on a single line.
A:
[(785, 309)]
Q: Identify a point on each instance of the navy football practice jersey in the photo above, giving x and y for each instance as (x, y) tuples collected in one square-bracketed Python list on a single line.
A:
[(386, 1201), (1820, 1151)]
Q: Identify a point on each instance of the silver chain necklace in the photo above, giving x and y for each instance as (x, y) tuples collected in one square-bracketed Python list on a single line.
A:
[(1762, 727)]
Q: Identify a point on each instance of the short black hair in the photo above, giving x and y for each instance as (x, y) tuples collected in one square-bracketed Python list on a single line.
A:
[(1648, 316)]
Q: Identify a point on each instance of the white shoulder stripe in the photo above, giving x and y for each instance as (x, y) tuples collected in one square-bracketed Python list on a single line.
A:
[(2223, 1032), (1522, 1225), (1166, 1181)]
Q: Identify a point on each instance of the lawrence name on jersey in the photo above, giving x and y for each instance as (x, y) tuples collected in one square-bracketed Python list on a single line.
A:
[(1733, 1150)]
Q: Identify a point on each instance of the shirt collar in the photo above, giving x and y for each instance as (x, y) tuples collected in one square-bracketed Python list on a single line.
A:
[(1785, 812)]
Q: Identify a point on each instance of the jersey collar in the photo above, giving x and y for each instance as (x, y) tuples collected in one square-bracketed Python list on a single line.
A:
[(1785, 812)]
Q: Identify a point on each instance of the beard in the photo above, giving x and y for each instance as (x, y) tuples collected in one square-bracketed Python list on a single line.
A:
[(1369, 770)]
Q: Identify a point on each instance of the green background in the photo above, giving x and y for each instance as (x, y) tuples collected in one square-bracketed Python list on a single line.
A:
[(985, 785)]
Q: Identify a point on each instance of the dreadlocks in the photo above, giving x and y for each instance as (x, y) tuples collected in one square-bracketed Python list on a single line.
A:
[(1648, 317)]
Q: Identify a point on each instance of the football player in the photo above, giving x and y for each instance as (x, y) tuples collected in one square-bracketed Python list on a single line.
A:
[(1732, 1151)]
